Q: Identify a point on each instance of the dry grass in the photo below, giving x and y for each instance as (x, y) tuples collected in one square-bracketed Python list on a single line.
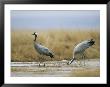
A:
[(86, 73), (61, 42)]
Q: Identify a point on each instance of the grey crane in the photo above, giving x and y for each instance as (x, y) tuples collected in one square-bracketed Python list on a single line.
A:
[(42, 50), (80, 49)]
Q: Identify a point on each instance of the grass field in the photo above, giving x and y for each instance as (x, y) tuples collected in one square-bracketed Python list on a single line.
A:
[(61, 42)]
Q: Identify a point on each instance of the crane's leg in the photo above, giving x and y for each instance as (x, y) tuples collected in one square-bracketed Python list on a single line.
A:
[(79, 60), (83, 56), (39, 64), (43, 58), (39, 60)]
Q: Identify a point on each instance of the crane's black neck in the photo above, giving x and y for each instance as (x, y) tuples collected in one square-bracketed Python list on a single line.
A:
[(35, 38)]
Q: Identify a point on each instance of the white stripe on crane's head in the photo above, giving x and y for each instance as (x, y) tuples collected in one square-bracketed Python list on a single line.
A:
[(36, 34)]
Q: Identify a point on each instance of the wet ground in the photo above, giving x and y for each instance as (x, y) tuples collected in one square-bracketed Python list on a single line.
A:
[(56, 69)]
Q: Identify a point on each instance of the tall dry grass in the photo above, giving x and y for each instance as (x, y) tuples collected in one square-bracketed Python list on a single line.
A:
[(61, 42)]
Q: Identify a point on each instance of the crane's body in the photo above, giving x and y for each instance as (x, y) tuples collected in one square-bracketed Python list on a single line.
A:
[(42, 50), (80, 48)]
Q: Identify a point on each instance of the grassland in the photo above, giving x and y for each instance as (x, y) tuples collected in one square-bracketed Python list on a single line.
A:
[(61, 42)]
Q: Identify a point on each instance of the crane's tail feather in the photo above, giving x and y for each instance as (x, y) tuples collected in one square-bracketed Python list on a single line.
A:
[(71, 61), (51, 55)]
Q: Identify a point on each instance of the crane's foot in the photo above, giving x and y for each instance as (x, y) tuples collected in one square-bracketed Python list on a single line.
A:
[(39, 64), (42, 65)]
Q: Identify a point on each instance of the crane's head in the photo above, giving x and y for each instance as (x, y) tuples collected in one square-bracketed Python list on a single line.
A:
[(35, 34), (91, 42)]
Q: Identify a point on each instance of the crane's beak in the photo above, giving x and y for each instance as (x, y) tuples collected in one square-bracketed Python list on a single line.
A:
[(33, 34)]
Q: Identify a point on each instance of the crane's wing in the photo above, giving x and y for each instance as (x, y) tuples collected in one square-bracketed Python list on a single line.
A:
[(45, 50)]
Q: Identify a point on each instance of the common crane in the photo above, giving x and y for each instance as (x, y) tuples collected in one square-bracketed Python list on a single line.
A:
[(42, 50), (80, 49)]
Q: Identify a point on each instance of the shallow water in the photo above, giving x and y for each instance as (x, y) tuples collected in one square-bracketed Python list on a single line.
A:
[(52, 68)]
